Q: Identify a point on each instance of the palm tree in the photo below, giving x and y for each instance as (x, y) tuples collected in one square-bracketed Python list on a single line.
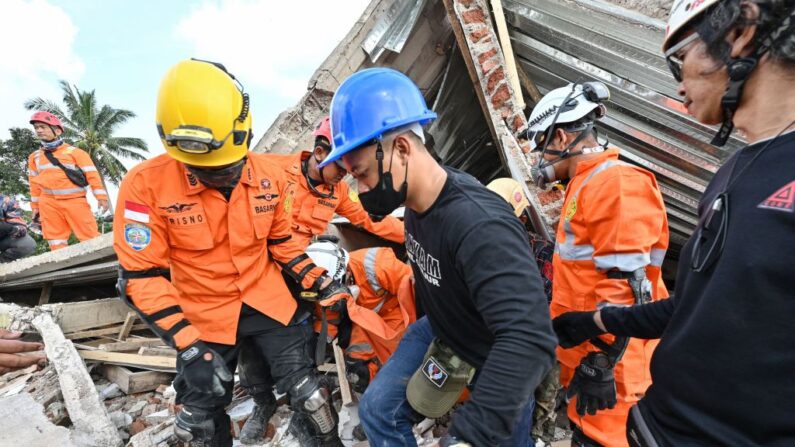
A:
[(91, 128)]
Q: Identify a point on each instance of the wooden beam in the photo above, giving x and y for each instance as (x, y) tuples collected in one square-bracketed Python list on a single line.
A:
[(46, 291), (162, 352), (342, 377), (127, 326), (507, 51), (130, 345), (132, 382), (149, 362), (528, 84), (104, 331)]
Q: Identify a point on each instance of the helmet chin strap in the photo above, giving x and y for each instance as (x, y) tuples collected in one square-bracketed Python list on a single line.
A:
[(310, 182)]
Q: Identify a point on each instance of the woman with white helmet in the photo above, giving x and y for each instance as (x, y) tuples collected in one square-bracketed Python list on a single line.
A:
[(722, 373)]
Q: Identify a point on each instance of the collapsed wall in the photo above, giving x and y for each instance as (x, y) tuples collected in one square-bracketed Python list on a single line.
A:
[(656, 9)]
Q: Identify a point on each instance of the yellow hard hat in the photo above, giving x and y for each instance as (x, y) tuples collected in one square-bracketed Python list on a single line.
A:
[(510, 190), (203, 115)]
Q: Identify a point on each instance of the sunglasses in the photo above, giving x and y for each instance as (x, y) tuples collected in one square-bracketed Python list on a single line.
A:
[(675, 62), (711, 235)]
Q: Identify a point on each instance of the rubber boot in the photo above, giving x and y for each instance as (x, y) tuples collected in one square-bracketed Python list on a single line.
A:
[(256, 427)]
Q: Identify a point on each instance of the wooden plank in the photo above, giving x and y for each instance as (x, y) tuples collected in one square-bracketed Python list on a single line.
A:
[(132, 382), (128, 323), (150, 362), (162, 352), (46, 291), (507, 51), (345, 387), (130, 345), (104, 331)]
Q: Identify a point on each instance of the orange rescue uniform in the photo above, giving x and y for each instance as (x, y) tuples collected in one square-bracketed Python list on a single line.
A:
[(312, 214), (613, 218), (219, 253), (62, 205), (385, 289)]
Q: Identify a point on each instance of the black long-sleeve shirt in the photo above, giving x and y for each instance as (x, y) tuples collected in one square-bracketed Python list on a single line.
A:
[(724, 371), (480, 288)]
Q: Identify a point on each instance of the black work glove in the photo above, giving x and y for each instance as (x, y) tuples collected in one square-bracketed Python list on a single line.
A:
[(575, 328), (19, 231), (203, 369), (332, 297), (594, 384), (358, 374)]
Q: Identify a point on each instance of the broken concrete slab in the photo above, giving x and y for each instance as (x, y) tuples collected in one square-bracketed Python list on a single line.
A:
[(71, 317), (92, 426), (84, 252), (22, 422)]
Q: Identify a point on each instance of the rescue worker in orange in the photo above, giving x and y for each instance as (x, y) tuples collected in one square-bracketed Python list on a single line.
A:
[(382, 309), (58, 174), (610, 244), (202, 235), (319, 194)]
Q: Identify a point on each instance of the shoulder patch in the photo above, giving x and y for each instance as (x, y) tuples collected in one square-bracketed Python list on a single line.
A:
[(353, 195), (137, 236), (571, 208)]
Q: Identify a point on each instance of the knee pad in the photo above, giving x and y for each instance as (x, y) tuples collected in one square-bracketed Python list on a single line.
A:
[(194, 425), (312, 399)]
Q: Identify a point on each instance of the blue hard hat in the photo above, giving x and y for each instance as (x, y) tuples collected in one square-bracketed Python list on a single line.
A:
[(370, 103)]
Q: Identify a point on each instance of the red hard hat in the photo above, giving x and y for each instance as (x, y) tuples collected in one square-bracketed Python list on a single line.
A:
[(46, 118), (323, 129)]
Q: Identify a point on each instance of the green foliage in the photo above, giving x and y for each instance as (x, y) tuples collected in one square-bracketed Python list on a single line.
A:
[(14, 161), (91, 127)]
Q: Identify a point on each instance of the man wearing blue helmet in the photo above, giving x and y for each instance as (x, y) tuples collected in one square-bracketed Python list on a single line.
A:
[(487, 325)]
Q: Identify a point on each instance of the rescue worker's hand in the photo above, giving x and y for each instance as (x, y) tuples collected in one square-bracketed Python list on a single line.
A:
[(334, 295), (34, 215), (575, 328), (103, 206), (594, 384), (358, 374), (203, 369), (19, 231), (13, 352)]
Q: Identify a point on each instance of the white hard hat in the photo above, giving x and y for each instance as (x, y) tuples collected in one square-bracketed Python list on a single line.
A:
[(577, 106), (682, 13), (329, 256)]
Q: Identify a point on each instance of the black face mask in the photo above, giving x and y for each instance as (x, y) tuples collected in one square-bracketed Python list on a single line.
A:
[(383, 199), (227, 177)]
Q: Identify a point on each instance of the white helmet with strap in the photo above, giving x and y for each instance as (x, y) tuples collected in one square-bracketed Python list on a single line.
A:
[(683, 12), (330, 256)]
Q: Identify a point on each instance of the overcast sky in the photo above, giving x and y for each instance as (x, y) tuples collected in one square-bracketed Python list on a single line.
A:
[(121, 49)]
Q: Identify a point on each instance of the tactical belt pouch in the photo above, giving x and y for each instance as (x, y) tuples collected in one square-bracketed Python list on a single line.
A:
[(439, 382), (75, 176)]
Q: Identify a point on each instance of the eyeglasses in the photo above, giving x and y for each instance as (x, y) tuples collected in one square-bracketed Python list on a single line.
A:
[(711, 235), (675, 62)]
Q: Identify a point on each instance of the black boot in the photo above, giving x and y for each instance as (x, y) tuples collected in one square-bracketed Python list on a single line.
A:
[(302, 428), (256, 427)]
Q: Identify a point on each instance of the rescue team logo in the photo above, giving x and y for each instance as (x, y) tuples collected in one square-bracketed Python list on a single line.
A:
[(137, 236), (571, 209), (781, 200), (136, 211), (353, 195), (428, 265), (178, 207), (434, 372), (267, 196), (265, 183)]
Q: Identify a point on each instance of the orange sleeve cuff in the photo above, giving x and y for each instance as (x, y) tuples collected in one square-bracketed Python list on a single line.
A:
[(186, 337)]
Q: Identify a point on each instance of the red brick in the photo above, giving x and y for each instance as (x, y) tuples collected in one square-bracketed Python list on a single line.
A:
[(486, 55), (518, 122), (136, 427), (473, 16), (500, 96), (494, 79), (465, 3), (550, 197), (489, 65), (478, 34)]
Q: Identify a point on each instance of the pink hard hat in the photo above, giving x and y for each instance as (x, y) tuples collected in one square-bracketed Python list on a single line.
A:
[(46, 118), (323, 129)]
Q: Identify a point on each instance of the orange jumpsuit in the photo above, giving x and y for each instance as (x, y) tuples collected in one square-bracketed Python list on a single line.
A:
[(386, 289), (61, 204), (218, 252), (613, 218), (312, 214)]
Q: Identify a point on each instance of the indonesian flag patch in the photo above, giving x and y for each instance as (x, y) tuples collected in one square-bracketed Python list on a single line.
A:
[(136, 211)]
